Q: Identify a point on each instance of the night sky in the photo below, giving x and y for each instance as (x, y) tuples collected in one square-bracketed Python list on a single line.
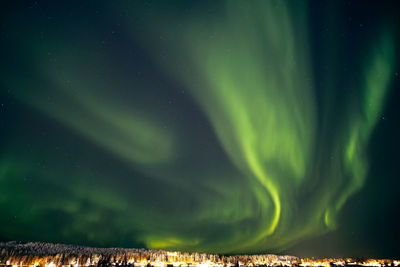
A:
[(208, 126)]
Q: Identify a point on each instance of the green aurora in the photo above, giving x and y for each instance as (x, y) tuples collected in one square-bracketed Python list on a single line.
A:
[(213, 135)]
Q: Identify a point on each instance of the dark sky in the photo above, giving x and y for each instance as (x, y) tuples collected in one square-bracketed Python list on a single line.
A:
[(210, 126)]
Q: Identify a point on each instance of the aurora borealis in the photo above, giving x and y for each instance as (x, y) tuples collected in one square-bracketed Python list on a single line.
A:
[(222, 127)]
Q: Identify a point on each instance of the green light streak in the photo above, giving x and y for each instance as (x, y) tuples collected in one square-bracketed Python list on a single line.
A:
[(249, 70)]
